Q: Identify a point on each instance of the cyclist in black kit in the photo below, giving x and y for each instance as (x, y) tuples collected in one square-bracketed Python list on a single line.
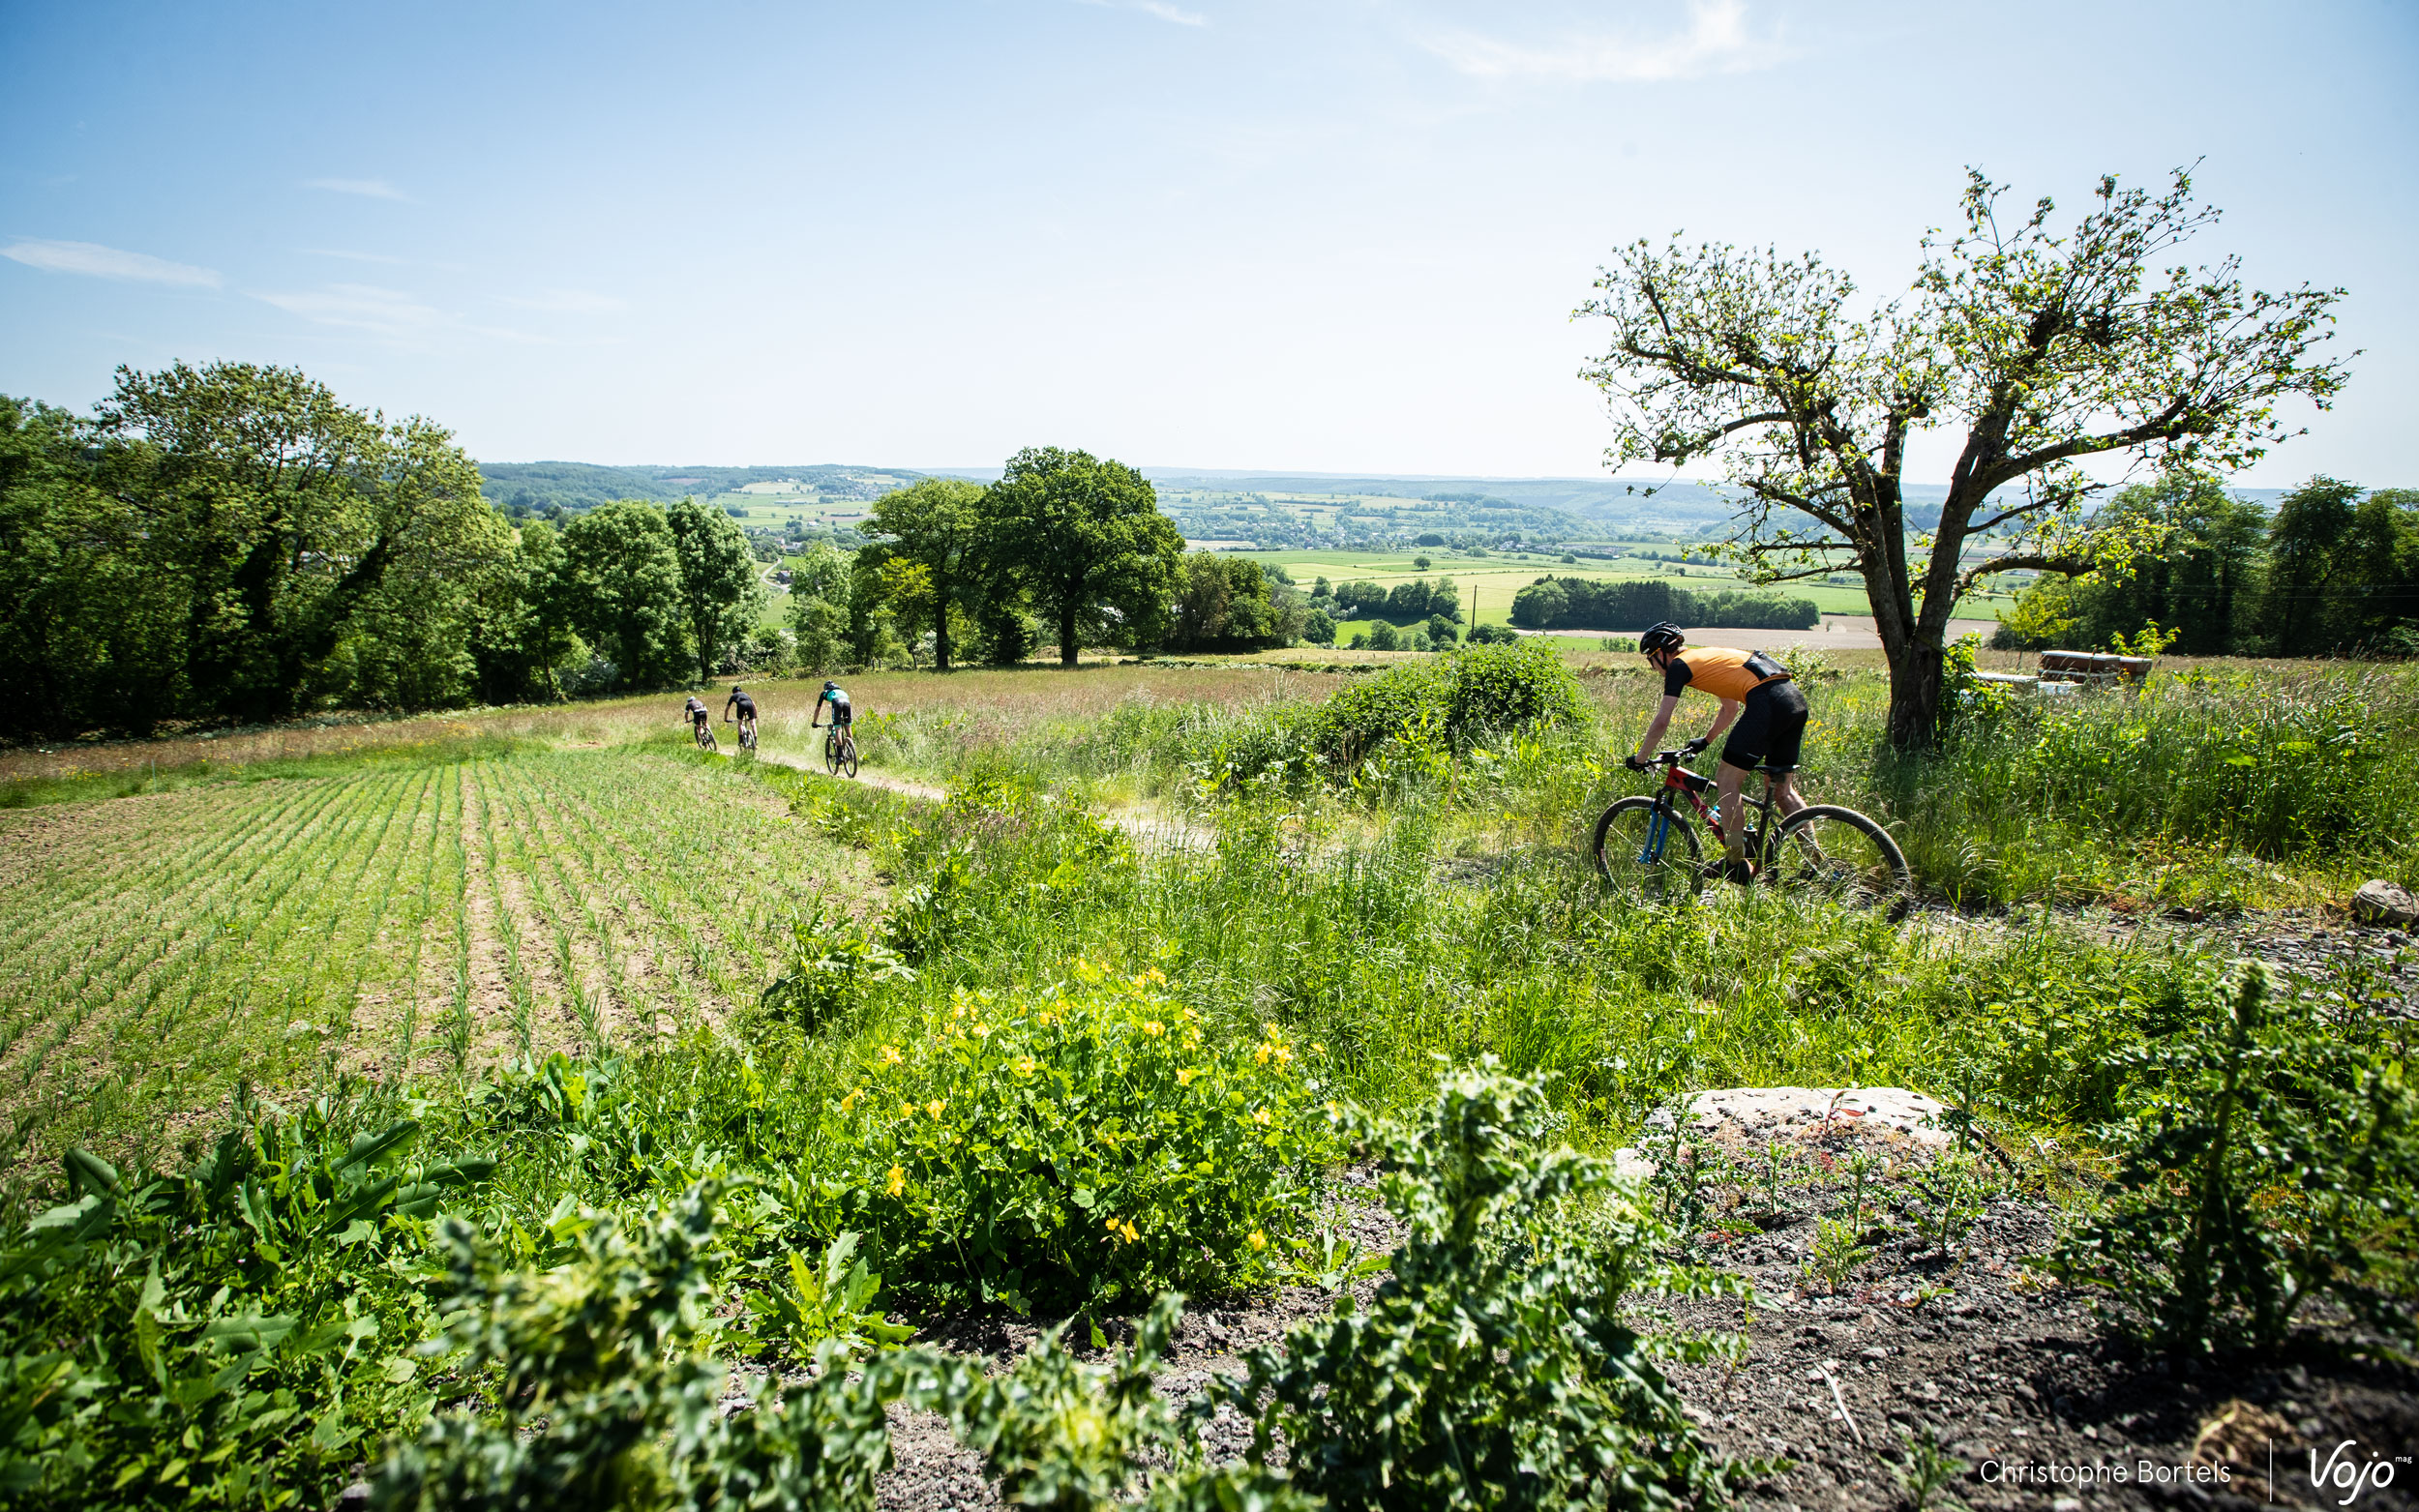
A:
[(698, 715), (747, 713)]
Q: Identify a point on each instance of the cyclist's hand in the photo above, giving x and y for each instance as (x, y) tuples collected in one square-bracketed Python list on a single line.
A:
[(1635, 762), (1694, 747)]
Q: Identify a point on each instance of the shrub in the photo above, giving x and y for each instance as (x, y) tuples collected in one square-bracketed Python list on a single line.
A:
[(1495, 690), (230, 1335), (1078, 1149), (1493, 635), (603, 1396), (1492, 1366), (834, 962), (2255, 1169), (1057, 1433)]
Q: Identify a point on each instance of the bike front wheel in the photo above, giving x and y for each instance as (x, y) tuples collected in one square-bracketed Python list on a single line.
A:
[(831, 755), (1650, 850), (1843, 855)]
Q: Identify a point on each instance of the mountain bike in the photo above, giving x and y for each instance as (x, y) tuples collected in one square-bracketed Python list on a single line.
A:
[(704, 736), (840, 752), (747, 732), (1822, 850)]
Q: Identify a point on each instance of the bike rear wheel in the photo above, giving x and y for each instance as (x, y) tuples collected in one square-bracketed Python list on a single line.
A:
[(1631, 854), (705, 740), (848, 755), (1840, 855), (747, 740)]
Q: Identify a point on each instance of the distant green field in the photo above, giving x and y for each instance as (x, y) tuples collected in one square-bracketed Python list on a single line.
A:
[(1496, 578)]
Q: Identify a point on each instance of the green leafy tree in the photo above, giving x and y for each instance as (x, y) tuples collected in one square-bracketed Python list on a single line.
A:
[(1084, 541), (2306, 558), (819, 603), (2203, 580), (720, 589), (92, 621), (281, 513), (2043, 345), (933, 523), (624, 594)]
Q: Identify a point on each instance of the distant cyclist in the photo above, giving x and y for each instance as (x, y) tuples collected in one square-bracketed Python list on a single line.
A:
[(699, 716), (1760, 695), (746, 706), (841, 717)]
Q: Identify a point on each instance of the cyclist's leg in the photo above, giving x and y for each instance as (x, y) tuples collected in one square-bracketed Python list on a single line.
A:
[(1784, 743), (1729, 781)]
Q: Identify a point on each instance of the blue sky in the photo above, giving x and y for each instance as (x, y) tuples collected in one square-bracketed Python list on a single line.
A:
[(1335, 236)]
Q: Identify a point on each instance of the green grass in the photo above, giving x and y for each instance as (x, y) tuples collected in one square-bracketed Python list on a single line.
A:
[(412, 916)]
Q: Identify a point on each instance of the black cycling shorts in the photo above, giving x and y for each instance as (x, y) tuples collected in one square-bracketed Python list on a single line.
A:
[(840, 715), (1771, 728)]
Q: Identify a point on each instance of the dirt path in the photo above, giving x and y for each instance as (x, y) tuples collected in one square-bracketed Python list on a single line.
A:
[(1149, 830)]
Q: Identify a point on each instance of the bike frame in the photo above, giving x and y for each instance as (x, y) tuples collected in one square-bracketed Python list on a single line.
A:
[(1677, 778)]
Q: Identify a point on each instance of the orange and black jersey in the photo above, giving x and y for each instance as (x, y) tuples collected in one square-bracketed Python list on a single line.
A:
[(1724, 673)]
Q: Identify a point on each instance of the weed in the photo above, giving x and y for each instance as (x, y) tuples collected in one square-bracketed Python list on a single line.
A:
[(2255, 1170), (1509, 1252), (831, 1301), (1945, 1198), (1838, 1250), (1925, 1468)]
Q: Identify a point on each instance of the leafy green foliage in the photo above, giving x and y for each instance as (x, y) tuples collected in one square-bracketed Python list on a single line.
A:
[(1069, 1436), (835, 962), (1083, 539), (1082, 1147), (602, 1397), (833, 1300), (228, 1336), (1493, 1368), (2255, 1170), (721, 595)]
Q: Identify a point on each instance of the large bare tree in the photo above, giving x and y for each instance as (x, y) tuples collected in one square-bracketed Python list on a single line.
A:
[(2045, 347)]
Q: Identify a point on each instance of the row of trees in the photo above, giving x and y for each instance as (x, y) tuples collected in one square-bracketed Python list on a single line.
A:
[(1065, 548), (234, 543), (2332, 572), (1405, 601), (1589, 603)]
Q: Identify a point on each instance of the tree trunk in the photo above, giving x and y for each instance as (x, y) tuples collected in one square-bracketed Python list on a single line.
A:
[(940, 622), (1066, 635), (1916, 676)]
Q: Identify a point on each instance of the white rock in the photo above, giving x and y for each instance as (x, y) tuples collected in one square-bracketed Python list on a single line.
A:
[(2381, 901)]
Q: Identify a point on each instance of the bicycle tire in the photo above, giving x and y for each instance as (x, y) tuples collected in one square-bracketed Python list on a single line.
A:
[(848, 755), (1621, 835), (831, 755), (1842, 855), (747, 740), (705, 741)]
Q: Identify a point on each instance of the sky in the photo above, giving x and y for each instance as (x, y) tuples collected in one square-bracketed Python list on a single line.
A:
[(1318, 235)]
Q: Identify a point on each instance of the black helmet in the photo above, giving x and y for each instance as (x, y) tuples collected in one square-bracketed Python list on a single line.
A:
[(734, 687), (829, 686), (1665, 637)]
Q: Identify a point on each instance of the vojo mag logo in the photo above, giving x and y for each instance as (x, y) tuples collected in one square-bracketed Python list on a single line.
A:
[(2343, 1469)]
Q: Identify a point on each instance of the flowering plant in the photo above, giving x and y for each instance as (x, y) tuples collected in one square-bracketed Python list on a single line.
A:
[(1086, 1145)]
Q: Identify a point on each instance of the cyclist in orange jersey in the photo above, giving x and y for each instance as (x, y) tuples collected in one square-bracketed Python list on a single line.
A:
[(1757, 695)]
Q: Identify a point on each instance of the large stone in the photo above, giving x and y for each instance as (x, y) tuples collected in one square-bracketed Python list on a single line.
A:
[(2381, 901), (1744, 1119)]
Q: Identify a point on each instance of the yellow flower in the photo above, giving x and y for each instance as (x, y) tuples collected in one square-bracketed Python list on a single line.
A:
[(1124, 1230), (1024, 1065), (1156, 977), (891, 1055), (850, 1101), (907, 1110), (1184, 1078), (935, 1107), (1317, 1049), (1154, 1027), (1256, 1239), (897, 1182), (1260, 1056), (983, 1030), (1261, 1118)]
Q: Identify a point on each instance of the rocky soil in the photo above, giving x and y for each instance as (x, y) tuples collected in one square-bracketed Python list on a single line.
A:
[(1945, 1332)]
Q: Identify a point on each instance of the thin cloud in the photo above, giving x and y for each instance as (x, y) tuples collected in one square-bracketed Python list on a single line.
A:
[(390, 313), (1717, 41), (1158, 8), (565, 301), (95, 260), (356, 256), (371, 188)]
